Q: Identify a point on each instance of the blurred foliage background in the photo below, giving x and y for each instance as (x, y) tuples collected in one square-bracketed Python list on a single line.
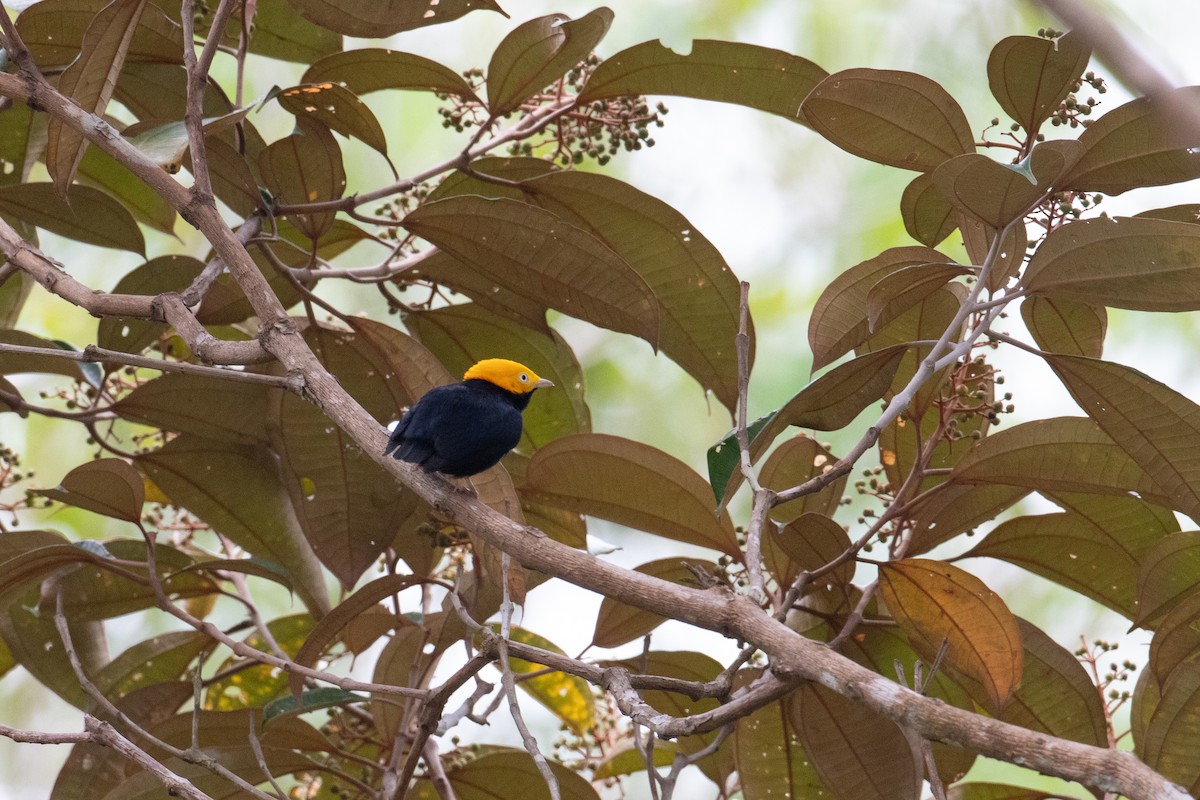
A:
[(785, 208)]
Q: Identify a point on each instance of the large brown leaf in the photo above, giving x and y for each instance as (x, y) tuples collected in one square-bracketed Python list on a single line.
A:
[(632, 484), (337, 108), (996, 193), (377, 19), (539, 52), (1157, 426), (1171, 742), (1176, 639), (214, 408), (1030, 76), (727, 72), (618, 623), (769, 755), (896, 118), (1168, 576), (305, 167), (370, 69), (1062, 325), (934, 602), (83, 213), (794, 462), (107, 486), (537, 253), (1129, 262)]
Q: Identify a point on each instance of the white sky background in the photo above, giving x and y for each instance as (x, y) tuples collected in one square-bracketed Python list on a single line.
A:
[(788, 210)]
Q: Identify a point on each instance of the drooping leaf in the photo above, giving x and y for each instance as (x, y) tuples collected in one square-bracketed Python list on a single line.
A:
[(279, 32), (312, 700), (371, 69), (1062, 325), (839, 317), (29, 556), (232, 178), (377, 19), (857, 752), (511, 773), (928, 216), (896, 118), (155, 660), (1064, 454), (618, 623), (539, 52), (1167, 577), (770, 757), (1137, 263), (340, 616), (254, 566), (210, 407), (1169, 743), (996, 193), (107, 486), (89, 82), (810, 542), (934, 602), (464, 334), (726, 72), (631, 484), (1158, 427), (337, 108), (696, 291), (1136, 145), (85, 214), (1095, 547), (236, 489), (1176, 639), (794, 462), (1030, 76), (535, 252), (305, 167)]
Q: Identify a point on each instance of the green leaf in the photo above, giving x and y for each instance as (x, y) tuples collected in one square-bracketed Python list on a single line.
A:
[(933, 601), (1158, 427), (539, 52), (1095, 547), (89, 82), (236, 490), (305, 167), (618, 623), (1167, 577), (107, 486), (254, 686), (724, 460), (839, 318), (1062, 325), (535, 252), (378, 19), (86, 214), (725, 72), (568, 697), (631, 484), (1136, 145), (1064, 454), (995, 193), (1137, 263), (1031, 76), (214, 408), (1169, 743), (928, 216), (337, 108), (857, 752), (342, 615), (371, 69), (166, 144), (312, 700), (896, 118), (463, 334)]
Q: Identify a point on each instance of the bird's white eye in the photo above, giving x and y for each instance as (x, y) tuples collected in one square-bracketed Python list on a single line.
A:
[(524, 378)]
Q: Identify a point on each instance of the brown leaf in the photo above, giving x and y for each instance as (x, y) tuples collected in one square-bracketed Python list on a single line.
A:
[(896, 118), (934, 602), (370, 69), (618, 623), (107, 486), (377, 19), (1030, 76), (305, 167), (1168, 576), (1062, 325), (928, 216)]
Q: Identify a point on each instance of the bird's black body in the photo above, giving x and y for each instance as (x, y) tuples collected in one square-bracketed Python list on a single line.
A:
[(461, 429)]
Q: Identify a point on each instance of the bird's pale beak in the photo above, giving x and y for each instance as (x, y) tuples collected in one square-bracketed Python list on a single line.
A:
[(543, 384)]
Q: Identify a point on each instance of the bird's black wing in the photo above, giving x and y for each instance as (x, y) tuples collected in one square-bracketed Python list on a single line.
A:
[(461, 429)]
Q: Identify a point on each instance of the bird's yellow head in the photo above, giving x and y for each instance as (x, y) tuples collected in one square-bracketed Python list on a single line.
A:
[(516, 378)]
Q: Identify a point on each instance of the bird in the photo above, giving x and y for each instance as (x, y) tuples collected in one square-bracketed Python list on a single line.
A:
[(462, 429)]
